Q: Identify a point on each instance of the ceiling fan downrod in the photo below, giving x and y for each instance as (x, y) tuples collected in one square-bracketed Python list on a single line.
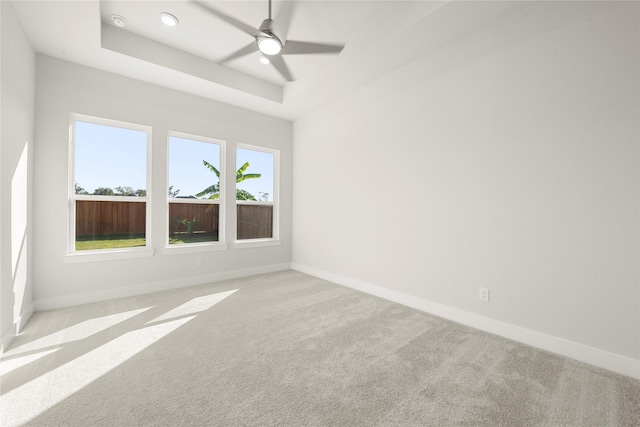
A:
[(266, 26)]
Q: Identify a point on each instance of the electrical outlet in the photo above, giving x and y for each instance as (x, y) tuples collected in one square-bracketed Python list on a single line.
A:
[(200, 261), (483, 294)]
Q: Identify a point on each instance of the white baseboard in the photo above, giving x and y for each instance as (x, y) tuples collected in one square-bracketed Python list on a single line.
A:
[(128, 291), (7, 337), (593, 356)]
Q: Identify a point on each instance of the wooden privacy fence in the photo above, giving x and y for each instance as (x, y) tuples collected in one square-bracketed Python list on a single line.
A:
[(255, 221), (101, 218), (206, 217), (104, 218)]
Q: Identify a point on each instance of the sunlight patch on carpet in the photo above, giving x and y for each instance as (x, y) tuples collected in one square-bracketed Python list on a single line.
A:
[(12, 364), (76, 332), (28, 401), (195, 305)]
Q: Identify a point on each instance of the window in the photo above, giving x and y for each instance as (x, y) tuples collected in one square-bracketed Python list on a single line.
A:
[(195, 190), (109, 185), (256, 193)]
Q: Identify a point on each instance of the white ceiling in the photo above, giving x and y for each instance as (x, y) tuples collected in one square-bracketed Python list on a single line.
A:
[(380, 36)]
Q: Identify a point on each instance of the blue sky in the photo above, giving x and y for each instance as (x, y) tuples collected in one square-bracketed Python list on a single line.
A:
[(187, 173), (108, 156), (260, 162)]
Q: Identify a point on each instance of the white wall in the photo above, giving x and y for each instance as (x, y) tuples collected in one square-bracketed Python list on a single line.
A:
[(508, 160), (18, 96), (63, 88)]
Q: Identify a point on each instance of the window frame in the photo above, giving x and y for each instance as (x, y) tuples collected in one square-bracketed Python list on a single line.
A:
[(220, 244), (74, 255), (268, 241)]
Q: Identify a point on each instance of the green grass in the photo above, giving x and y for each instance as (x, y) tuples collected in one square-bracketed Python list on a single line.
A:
[(179, 239), (115, 241), (119, 241)]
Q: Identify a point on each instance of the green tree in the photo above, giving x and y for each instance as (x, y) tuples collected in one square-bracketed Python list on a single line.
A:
[(172, 193), (190, 224), (129, 191), (80, 190), (124, 191), (103, 191), (214, 190)]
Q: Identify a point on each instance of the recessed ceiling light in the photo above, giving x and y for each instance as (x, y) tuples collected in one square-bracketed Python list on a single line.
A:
[(264, 60), (168, 19), (118, 20)]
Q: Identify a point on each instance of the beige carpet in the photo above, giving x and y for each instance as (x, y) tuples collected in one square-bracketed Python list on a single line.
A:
[(288, 349)]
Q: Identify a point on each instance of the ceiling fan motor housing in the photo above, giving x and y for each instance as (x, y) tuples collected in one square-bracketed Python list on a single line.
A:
[(266, 26)]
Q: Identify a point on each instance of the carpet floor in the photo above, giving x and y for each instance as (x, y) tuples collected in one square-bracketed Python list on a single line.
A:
[(288, 349)]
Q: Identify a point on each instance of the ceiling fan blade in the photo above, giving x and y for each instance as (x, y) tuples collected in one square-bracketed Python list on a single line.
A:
[(250, 48), (282, 68), (254, 32), (293, 47)]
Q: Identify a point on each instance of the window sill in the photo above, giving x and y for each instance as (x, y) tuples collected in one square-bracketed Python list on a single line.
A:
[(255, 243), (115, 254), (194, 248)]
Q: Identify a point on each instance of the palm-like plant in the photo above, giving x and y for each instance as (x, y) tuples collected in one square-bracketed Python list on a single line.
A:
[(214, 190)]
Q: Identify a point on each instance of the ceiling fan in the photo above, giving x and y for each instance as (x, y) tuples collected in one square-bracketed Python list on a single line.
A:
[(268, 43)]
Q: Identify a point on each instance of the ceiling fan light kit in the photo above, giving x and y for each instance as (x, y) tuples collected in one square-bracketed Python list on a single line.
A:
[(269, 45)]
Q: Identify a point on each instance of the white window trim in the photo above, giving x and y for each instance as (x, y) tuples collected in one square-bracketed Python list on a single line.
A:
[(221, 244), (192, 248), (275, 240), (73, 256), (255, 243), (108, 255)]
